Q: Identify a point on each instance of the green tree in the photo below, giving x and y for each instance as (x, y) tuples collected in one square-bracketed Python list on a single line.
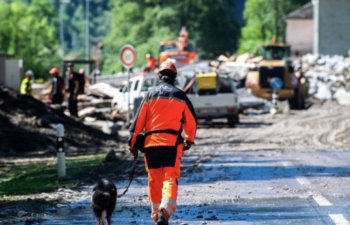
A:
[(28, 31), (212, 26), (145, 24), (74, 19), (134, 23), (265, 21)]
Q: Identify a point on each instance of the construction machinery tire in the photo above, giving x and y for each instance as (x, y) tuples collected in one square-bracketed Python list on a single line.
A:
[(299, 99), (233, 120)]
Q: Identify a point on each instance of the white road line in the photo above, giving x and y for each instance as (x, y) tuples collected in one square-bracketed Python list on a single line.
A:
[(321, 201), (303, 181), (287, 164), (318, 198), (339, 219)]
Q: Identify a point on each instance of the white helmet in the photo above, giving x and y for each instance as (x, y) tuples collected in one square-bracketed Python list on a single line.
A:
[(30, 73)]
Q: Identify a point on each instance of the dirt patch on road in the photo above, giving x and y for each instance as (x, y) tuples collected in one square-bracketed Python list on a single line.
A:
[(325, 125)]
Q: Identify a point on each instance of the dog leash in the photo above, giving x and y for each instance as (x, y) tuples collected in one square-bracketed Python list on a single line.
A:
[(131, 176)]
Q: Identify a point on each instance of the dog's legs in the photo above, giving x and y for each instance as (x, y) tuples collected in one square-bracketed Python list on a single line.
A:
[(101, 221), (109, 218), (104, 214)]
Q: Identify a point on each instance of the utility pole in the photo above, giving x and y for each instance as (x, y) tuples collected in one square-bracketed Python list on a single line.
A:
[(61, 30), (61, 11), (87, 30)]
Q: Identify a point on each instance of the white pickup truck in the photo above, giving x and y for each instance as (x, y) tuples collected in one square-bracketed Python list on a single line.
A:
[(221, 102), (138, 87)]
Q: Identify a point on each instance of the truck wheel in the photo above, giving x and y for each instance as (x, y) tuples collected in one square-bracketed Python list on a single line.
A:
[(232, 121), (237, 118)]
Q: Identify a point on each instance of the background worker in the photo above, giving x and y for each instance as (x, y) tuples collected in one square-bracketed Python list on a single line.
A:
[(151, 62), (182, 41), (73, 89), (164, 113), (26, 84), (81, 81), (57, 89)]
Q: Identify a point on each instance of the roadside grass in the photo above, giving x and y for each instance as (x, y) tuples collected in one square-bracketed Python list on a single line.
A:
[(42, 177)]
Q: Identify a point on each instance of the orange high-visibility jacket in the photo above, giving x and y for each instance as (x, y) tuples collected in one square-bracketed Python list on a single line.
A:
[(151, 63), (164, 113)]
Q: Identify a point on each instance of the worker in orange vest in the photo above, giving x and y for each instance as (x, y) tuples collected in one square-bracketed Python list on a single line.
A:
[(165, 115), (57, 89), (151, 62), (182, 40)]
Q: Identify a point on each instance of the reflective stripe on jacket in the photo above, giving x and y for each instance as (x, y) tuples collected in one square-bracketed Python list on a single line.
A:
[(164, 107)]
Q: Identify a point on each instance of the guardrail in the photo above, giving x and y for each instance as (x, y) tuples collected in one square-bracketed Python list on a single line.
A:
[(114, 79)]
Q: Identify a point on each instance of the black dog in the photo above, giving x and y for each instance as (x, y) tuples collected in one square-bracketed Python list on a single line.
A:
[(104, 200)]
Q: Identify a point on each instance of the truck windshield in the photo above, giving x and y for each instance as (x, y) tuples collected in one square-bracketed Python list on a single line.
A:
[(169, 47)]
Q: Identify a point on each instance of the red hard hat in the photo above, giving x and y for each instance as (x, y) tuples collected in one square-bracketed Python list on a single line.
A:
[(54, 71), (168, 65)]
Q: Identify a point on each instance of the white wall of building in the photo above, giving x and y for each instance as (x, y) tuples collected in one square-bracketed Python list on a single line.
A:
[(332, 26), (13, 73), (10, 72), (300, 35)]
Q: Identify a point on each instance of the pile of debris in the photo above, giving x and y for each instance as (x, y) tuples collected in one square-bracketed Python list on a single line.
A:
[(28, 128), (236, 67), (95, 108), (329, 76)]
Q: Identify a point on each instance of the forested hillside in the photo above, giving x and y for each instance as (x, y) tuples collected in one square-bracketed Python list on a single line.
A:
[(265, 21), (30, 29)]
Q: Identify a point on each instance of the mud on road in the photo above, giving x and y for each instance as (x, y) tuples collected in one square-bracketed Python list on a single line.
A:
[(323, 126), (272, 169)]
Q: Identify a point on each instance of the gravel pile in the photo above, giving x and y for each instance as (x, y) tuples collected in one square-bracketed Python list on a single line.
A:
[(329, 76)]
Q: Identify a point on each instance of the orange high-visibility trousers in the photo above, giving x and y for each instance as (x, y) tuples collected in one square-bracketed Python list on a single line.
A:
[(163, 186)]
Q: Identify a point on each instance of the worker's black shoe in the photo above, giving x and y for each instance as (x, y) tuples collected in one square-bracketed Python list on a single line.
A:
[(161, 219)]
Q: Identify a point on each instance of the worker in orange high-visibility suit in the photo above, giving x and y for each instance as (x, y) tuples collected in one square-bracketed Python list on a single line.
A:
[(167, 118), (151, 62)]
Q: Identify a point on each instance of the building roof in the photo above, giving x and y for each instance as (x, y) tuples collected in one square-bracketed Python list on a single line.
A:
[(304, 12)]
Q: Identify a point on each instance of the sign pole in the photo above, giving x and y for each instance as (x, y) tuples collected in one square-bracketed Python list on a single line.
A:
[(61, 155), (276, 84), (127, 56), (128, 117)]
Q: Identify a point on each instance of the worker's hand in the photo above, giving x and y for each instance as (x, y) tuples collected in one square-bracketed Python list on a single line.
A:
[(134, 151), (187, 145)]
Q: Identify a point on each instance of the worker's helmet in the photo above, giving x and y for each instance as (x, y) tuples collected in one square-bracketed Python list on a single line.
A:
[(168, 67), (29, 73), (54, 71), (81, 70)]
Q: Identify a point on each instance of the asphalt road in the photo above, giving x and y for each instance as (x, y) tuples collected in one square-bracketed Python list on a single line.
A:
[(292, 168)]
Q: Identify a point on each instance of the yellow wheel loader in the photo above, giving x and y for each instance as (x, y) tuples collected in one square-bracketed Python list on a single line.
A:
[(276, 65)]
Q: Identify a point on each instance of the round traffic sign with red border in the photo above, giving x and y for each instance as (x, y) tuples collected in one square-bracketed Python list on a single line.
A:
[(127, 56)]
